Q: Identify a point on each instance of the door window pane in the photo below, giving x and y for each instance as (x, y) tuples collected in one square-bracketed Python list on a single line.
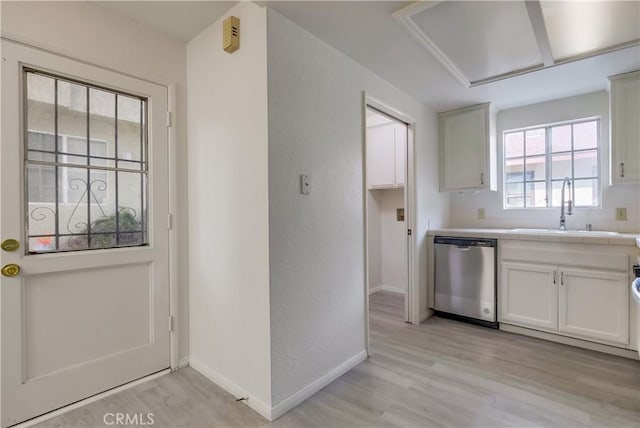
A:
[(79, 196)]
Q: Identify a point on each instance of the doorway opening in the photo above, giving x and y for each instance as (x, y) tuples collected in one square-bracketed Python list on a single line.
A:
[(388, 225)]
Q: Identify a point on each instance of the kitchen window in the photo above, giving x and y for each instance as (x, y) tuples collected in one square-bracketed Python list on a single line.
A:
[(537, 159)]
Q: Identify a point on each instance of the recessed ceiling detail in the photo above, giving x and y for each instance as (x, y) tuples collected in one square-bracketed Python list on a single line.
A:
[(483, 41)]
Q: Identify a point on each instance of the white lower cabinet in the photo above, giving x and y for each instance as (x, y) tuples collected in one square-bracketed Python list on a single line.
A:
[(583, 303), (594, 304), (528, 295)]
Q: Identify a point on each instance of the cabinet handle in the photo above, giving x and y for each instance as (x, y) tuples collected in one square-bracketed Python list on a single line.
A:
[(561, 278), (621, 169), (555, 276), (482, 178)]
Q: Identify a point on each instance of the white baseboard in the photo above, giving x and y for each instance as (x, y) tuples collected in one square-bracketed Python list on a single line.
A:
[(375, 289), (628, 353), (425, 315), (315, 386), (387, 288), (184, 362), (259, 406)]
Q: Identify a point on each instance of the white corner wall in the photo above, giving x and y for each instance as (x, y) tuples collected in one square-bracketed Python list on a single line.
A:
[(464, 207), (86, 32), (317, 262), (386, 240), (228, 208)]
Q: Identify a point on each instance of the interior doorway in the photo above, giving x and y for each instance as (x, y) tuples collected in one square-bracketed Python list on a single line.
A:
[(388, 228)]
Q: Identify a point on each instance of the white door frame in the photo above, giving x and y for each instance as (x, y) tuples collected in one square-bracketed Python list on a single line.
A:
[(412, 300), (172, 192)]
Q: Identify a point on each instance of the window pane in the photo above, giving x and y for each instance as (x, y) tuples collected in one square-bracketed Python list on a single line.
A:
[(41, 214), (586, 192), (102, 119), (536, 168), (535, 142), (514, 195), (556, 193), (585, 135), (514, 144), (129, 128), (561, 166), (514, 169), (585, 164), (83, 206), (536, 194), (40, 112), (72, 116), (561, 138)]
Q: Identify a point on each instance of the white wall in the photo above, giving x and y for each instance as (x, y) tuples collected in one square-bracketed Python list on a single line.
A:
[(464, 207), (387, 241), (316, 242), (85, 31), (228, 207), (393, 241), (374, 241)]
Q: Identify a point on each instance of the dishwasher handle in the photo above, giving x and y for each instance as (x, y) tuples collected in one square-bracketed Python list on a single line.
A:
[(463, 243)]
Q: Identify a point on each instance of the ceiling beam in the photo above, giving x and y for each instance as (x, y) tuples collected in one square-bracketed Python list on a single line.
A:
[(534, 9)]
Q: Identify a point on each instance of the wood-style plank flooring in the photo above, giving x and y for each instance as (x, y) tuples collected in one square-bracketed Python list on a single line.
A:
[(440, 374)]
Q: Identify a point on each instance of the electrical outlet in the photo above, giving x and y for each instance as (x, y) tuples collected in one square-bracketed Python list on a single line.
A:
[(621, 214), (482, 214)]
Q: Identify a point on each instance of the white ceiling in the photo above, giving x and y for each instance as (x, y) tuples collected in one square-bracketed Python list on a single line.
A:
[(182, 20), (367, 32)]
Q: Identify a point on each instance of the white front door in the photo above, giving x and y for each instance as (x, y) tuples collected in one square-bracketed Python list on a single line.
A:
[(84, 191)]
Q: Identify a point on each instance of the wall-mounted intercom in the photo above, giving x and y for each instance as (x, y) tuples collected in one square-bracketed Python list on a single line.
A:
[(231, 34)]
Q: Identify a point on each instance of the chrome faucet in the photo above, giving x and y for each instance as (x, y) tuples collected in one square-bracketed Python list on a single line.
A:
[(563, 219)]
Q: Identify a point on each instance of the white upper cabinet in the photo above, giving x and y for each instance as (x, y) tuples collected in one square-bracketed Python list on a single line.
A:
[(386, 156), (468, 149), (625, 128)]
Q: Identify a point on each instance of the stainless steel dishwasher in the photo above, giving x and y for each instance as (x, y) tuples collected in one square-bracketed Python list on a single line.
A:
[(465, 285)]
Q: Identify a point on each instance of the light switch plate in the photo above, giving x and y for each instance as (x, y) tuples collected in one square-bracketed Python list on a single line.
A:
[(482, 214), (621, 214), (305, 184)]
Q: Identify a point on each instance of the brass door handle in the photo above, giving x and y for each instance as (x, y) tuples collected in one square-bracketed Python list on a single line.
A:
[(10, 270), (10, 245)]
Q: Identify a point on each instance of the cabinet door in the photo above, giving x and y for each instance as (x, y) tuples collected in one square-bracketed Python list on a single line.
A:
[(529, 295), (380, 155), (625, 129), (594, 304), (400, 154), (464, 140)]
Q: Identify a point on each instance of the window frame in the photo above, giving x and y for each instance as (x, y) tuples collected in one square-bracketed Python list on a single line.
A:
[(548, 163)]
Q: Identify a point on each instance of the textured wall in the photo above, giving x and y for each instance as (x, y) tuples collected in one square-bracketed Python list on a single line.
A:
[(228, 207), (317, 260)]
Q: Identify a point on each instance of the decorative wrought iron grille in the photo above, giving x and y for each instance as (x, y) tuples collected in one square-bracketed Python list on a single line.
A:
[(85, 165)]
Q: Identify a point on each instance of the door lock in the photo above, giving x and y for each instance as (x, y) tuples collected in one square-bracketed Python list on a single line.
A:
[(10, 244), (10, 270)]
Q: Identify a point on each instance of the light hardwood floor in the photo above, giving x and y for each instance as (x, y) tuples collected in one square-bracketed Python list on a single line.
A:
[(441, 373)]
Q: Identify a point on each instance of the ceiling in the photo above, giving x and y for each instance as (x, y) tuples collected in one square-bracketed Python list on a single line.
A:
[(367, 32), (182, 20)]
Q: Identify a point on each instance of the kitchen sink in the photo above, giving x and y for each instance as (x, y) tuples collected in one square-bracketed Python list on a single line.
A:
[(563, 232)]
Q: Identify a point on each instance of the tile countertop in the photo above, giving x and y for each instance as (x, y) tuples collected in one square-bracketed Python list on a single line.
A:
[(569, 236)]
